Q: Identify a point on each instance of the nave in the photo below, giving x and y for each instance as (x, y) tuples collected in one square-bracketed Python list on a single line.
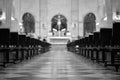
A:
[(58, 64)]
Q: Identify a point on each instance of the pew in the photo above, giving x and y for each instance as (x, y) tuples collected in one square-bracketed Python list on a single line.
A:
[(28, 45), (96, 42), (114, 60), (105, 42), (4, 46), (102, 47), (14, 50), (22, 46), (109, 40), (18, 47), (90, 53), (96, 39)]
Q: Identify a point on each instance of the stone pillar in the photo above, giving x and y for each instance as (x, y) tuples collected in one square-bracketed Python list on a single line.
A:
[(43, 18), (75, 17), (8, 11), (39, 18), (109, 13)]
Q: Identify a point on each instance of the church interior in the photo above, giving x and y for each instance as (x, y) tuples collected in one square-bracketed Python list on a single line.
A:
[(59, 39)]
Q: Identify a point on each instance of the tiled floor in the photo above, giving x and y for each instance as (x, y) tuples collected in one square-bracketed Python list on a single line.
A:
[(58, 64)]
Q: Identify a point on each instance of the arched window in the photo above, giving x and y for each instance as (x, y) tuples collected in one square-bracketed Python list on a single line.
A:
[(89, 23), (28, 23)]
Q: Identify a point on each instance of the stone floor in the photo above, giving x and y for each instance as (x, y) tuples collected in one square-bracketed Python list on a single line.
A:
[(58, 64)]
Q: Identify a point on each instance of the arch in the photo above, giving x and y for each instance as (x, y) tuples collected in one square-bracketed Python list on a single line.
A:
[(28, 23), (54, 22), (89, 23)]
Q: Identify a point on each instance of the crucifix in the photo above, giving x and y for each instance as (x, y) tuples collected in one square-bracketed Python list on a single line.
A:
[(59, 24)]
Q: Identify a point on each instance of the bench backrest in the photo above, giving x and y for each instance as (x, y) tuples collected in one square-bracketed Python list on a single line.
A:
[(105, 36), (4, 36)]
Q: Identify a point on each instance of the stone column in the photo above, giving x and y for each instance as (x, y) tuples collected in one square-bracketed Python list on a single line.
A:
[(43, 18), (109, 13), (8, 11), (39, 18), (75, 17)]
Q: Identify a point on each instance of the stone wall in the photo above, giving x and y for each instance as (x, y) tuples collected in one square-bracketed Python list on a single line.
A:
[(73, 10)]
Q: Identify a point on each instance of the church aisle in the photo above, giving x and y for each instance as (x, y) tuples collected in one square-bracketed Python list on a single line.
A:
[(58, 64)]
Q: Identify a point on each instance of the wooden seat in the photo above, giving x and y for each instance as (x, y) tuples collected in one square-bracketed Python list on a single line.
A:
[(4, 46), (14, 49)]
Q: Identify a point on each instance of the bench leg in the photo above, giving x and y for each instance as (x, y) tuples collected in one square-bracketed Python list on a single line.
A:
[(117, 68)]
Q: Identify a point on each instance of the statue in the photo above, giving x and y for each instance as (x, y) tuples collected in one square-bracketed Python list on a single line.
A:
[(59, 22), (59, 25)]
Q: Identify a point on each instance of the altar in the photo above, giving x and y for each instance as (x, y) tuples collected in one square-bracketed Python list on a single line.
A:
[(59, 33), (59, 39)]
